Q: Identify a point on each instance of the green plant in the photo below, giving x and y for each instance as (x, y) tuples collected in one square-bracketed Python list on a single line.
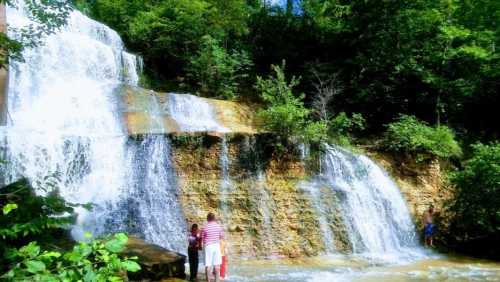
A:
[(476, 205), (97, 261), (285, 114), (32, 225), (411, 136), (217, 72)]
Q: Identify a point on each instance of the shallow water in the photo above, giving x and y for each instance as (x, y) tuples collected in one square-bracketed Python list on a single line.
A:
[(356, 268)]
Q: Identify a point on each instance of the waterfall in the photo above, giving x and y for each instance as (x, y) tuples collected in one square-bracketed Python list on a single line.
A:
[(375, 213), (153, 195), (64, 120), (193, 113)]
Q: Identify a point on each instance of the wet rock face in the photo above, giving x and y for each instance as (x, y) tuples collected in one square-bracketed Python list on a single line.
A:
[(259, 201)]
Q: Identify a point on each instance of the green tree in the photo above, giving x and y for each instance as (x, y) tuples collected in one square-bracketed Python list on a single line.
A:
[(476, 206), (285, 113), (217, 72)]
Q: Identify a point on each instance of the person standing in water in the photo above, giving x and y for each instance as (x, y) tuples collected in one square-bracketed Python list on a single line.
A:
[(223, 267), (194, 240), (211, 235), (429, 226)]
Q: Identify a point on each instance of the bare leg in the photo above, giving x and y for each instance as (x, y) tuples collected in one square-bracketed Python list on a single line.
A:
[(207, 272), (217, 273)]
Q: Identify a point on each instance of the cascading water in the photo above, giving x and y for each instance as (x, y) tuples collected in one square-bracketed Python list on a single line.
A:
[(313, 188), (259, 193), (152, 201), (226, 183), (377, 219), (64, 119), (193, 113)]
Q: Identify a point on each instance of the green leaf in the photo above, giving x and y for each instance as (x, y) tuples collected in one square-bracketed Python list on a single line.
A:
[(31, 250), (35, 266), (8, 208), (115, 246), (131, 266), (122, 237)]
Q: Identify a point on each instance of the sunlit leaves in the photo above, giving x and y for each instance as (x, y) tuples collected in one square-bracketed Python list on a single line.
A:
[(8, 208)]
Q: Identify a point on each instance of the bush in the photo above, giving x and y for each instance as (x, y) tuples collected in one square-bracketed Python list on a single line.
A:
[(29, 227), (285, 114), (411, 136), (217, 72), (342, 126), (477, 201), (97, 261)]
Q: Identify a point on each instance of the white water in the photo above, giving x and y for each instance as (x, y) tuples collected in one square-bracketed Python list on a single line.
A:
[(226, 185), (193, 113), (64, 120), (313, 188), (375, 213)]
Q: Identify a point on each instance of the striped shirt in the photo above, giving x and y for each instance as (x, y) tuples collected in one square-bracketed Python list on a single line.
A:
[(212, 233)]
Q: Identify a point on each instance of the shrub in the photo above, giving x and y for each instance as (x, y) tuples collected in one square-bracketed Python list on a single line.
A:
[(477, 201), (285, 114), (411, 136)]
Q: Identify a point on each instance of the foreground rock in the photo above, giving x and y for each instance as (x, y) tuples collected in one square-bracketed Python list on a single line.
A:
[(156, 262)]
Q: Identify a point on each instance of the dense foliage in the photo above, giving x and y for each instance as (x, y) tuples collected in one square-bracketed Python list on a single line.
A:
[(217, 72), (410, 136), (477, 204), (433, 59), (32, 228)]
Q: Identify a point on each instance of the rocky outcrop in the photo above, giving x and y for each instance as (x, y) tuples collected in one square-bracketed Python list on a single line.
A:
[(147, 112), (266, 213), (156, 263)]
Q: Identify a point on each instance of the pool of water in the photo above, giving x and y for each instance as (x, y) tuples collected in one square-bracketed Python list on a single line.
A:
[(357, 268)]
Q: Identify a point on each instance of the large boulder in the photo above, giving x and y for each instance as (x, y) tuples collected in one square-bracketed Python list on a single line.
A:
[(156, 262)]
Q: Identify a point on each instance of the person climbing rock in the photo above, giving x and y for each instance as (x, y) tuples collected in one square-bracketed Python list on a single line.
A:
[(429, 228), (211, 235), (194, 240)]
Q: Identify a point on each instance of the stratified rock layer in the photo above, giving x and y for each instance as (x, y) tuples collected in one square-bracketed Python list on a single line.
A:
[(266, 213)]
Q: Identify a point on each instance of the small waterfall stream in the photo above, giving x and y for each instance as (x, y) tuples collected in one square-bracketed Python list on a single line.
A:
[(226, 185)]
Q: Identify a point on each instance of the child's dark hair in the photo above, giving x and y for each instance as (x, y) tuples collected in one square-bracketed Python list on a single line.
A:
[(194, 226), (210, 216)]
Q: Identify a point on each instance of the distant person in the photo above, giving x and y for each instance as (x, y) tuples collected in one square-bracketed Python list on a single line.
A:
[(223, 267), (194, 240), (211, 235), (429, 227)]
